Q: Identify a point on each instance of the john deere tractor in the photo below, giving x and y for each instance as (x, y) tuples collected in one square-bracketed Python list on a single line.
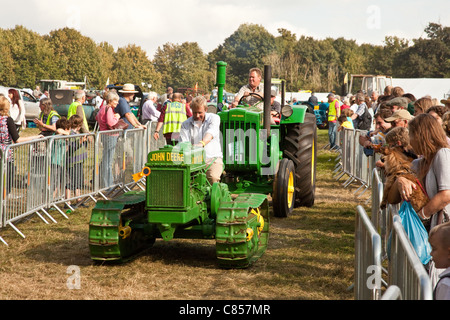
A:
[(179, 202), (260, 159), (268, 155)]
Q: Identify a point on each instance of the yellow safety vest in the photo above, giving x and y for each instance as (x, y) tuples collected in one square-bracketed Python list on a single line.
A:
[(173, 118), (332, 111), (49, 117), (73, 110)]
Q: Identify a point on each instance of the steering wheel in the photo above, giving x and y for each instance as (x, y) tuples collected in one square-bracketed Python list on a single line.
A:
[(250, 94)]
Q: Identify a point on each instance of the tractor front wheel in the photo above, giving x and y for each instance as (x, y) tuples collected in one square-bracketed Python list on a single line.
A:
[(283, 196)]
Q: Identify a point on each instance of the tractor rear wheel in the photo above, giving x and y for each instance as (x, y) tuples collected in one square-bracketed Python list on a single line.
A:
[(283, 196), (300, 146)]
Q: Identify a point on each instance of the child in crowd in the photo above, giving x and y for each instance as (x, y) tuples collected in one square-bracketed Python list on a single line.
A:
[(399, 137), (439, 239), (58, 159), (345, 119), (63, 126), (344, 123), (76, 155)]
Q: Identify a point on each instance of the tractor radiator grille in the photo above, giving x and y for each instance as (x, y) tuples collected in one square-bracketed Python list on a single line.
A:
[(165, 188), (240, 144)]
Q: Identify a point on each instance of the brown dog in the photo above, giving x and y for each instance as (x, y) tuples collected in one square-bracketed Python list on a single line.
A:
[(397, 164)]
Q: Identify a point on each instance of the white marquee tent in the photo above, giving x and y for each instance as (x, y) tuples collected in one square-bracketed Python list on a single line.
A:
[(436, 88)]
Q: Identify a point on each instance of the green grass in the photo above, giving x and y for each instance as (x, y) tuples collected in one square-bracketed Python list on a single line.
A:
[(309, 257)]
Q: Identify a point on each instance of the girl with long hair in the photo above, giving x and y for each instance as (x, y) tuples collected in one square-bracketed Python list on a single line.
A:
[(428, 139), (17, 110)]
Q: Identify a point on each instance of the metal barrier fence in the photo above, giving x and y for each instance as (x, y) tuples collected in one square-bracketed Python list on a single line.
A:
[(405, 269), (68, 170), (352, 160), (381, 237), (42, 174), (368, 261)]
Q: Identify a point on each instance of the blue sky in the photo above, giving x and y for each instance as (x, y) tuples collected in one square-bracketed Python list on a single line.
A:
[(150, 24)]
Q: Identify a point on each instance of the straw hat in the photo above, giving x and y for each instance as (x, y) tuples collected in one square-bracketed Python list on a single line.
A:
[(128, 88), (445, 101)]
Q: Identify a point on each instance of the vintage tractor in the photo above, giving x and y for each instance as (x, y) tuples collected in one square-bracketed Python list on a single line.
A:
[(267, 155), (179, 202)]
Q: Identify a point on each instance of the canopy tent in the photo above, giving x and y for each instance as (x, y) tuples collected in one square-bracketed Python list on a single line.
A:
[(438, 88)]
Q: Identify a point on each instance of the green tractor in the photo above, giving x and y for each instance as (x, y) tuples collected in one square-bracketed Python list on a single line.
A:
[(179, 202), (269, 156)]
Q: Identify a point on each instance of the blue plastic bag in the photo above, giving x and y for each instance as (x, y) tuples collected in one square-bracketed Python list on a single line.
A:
[(416, 231)]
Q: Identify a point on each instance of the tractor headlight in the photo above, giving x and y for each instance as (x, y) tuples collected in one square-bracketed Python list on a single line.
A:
[(287, 111)]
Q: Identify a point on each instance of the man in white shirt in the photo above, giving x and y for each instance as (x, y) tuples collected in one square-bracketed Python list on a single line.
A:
[(98, 100), (149, 111), (254, 86), (203, 130)]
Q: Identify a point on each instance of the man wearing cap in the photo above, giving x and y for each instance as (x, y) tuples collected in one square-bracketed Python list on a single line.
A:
[(400, 118), (398, 103), (123, 108), (334, 111), (275, 110)]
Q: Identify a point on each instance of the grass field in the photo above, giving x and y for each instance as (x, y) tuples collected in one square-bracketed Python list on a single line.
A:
[(309, 257)]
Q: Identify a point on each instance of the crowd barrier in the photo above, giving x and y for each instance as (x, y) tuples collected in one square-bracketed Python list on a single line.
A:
[(384, 256), (61, 172)]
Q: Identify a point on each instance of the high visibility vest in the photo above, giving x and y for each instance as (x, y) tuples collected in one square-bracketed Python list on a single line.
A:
[(332, 111), (173, 118), (73, 110), (50, 116)]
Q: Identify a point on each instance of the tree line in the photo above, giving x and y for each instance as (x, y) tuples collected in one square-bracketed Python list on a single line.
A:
[(305, 63)]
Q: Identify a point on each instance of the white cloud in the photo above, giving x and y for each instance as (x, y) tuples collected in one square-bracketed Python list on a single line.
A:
[(150, 24)]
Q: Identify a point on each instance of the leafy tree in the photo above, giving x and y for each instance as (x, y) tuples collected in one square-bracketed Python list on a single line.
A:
[(77, 56), (243, 50), (7, 74), (106, 52), (26, 57), (131, 65), (183, 66), (429, 57)]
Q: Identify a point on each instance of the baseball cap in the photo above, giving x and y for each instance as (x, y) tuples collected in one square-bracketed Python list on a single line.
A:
[(401, 114)]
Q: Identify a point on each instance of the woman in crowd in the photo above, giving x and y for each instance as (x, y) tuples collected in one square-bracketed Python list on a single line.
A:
[(17, 110), (47, 118), (8, 136), (446, 123), (8, 131), (428, 139), (422, 105), (106, 118), (437, 112)]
